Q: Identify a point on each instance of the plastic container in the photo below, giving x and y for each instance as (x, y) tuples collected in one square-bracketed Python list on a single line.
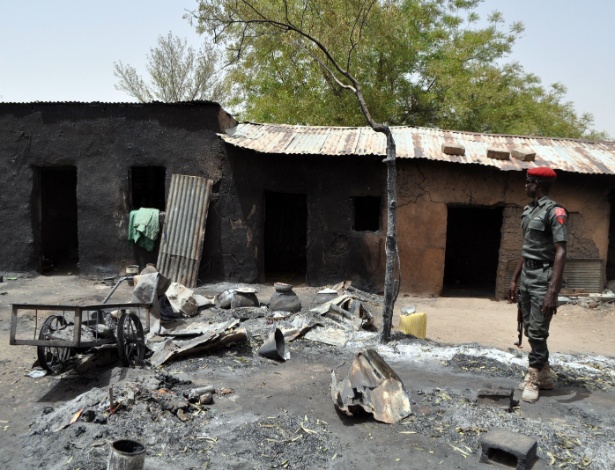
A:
[(414, 324)]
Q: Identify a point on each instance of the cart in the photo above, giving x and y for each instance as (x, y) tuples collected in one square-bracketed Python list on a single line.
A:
[(58, 331)]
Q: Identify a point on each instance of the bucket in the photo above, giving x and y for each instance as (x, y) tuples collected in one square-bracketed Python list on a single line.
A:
[(414, 324), (131, 271), (126, 455)]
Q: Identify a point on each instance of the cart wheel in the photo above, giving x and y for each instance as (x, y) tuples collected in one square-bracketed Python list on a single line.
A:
[(130, 340), (52, 357)]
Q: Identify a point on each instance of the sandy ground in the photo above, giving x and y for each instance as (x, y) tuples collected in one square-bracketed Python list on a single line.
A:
[(451, 320), (460, 320)]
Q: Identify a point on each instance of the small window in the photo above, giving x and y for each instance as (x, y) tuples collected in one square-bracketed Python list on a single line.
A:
[(147, 183), (366, 213)]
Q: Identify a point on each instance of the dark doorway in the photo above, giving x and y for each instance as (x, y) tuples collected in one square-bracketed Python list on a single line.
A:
[(473, 237), (285, 238), (55, 223), (610, 260), (147, 184)]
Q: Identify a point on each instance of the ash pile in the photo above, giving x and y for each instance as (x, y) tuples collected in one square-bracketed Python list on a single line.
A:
[(226, 331)]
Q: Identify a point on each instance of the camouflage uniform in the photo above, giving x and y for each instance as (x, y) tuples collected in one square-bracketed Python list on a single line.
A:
[(544, 223)]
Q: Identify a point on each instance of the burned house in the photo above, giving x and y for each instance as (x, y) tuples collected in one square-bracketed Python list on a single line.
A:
[(290, 202), (460, 196), (72, 172)]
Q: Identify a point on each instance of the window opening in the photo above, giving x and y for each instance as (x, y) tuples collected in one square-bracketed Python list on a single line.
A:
[(148, 187), (366, 213)]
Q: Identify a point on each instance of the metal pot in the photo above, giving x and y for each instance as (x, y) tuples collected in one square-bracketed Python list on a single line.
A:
[(224, 299)]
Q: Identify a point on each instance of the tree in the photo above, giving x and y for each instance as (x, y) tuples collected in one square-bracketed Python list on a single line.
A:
[(176, 73), (425, 63), (322, 32)]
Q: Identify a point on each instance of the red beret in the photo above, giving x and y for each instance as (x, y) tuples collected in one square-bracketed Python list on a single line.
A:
[(541, 172)]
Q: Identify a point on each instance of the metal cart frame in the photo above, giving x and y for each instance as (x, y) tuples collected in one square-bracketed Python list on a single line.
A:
[(52, 352)]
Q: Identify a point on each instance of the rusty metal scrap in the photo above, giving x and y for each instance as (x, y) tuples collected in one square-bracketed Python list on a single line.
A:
[(371, 385), (181, 242)]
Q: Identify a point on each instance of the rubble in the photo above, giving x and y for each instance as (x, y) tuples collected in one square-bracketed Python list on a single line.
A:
[(198, 425), (371, 385)]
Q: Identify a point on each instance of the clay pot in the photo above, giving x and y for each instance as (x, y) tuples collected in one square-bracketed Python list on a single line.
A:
[(284, 298), (244, 297)]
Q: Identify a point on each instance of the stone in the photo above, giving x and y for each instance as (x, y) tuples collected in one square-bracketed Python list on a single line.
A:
[(523, 155), (450, 148), (497, 397), (498, 154), (502, 446)]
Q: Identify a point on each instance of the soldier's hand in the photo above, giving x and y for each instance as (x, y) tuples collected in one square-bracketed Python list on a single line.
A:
[(512, 292), (549, 306)]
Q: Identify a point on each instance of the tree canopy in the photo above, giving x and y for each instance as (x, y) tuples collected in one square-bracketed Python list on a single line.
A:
[(430, 63), (176, 71)]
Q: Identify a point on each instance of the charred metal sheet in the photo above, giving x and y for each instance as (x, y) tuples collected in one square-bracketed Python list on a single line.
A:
[(201, 338), (328, 335), (572, 155), (274, 346), (373, 386), (181, 243)]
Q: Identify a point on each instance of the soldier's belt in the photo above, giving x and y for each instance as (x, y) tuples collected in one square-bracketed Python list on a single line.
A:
[(535, 264)]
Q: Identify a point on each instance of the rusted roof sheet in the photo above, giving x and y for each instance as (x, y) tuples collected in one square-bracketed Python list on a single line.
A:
[(181, 242), (576, 156)]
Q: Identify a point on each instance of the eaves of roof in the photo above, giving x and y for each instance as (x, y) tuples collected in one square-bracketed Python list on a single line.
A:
[(572, 155)]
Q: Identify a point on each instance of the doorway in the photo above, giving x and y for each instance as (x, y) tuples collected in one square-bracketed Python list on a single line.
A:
[(610, 259), (285, 237), (473, 236), (55, 221)]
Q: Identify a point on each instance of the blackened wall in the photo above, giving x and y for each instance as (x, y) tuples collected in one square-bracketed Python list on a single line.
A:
[(335, 251), (103, 141)]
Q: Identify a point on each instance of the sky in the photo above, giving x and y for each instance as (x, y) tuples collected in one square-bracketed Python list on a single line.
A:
[(64, 50)]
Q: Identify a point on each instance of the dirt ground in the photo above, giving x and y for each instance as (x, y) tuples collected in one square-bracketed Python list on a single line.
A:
[(256, 397)]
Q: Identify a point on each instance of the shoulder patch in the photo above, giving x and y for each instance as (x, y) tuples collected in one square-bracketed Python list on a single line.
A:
[(561, 215)]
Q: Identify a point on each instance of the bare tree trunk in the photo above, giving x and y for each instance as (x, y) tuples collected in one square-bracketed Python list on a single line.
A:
[(390, 284)]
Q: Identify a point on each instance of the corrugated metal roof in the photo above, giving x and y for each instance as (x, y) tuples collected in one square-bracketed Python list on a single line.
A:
[(576, 156), (136, 104), (181, 243)]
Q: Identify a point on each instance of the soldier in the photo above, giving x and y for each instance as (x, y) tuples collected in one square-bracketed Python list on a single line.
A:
[(538, 277)]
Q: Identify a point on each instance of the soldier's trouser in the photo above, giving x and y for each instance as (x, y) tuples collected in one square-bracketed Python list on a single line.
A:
[(532, 291)]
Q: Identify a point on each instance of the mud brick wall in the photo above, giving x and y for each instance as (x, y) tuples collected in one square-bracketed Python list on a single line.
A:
[(102, 141), (427, 189)]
